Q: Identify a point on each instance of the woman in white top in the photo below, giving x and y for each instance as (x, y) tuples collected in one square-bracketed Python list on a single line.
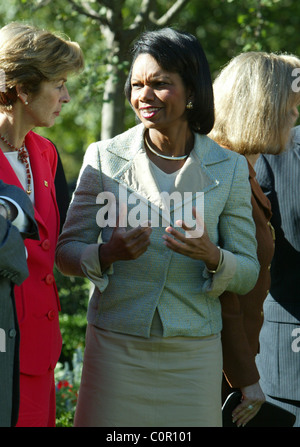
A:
[(153, 354)]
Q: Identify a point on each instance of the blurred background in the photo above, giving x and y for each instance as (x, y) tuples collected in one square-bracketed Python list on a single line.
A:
[(105, 30)]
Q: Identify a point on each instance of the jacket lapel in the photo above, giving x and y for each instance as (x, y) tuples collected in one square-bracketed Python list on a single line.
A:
[(194, 179), (7, 174), (42, 178), (260, 197)]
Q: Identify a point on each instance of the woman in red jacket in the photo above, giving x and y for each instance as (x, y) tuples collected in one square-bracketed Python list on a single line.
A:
[(34, 65)]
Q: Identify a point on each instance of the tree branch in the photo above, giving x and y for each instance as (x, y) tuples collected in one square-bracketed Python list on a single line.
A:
[(86, 10), (168, 16), (142, 15), (106, 3), (141, 20)]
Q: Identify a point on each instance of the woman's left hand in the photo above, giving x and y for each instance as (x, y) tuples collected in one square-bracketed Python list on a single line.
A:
[(195, 244), (253, 398)]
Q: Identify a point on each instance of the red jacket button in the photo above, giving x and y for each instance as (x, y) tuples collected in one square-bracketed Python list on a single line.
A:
[(49, 279), (51, 314), (45, 245)]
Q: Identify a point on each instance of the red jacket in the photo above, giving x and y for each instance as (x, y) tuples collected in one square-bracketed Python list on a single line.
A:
[(37, 300)]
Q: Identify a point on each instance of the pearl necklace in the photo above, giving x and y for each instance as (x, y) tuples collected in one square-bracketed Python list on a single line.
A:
[(166, 157), (23, 156)]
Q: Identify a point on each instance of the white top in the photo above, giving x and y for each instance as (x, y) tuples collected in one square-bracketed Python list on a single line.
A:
[(165, 181), (21, 221), (20, 171)]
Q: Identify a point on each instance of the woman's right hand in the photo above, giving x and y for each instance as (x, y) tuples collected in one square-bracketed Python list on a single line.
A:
[(125, 244)]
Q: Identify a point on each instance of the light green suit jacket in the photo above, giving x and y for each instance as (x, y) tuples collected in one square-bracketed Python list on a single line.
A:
[(178, 287)]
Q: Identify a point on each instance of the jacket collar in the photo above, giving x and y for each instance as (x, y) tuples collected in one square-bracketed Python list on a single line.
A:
[(128, 144), (137, 174), (41, 177), (257, 192)]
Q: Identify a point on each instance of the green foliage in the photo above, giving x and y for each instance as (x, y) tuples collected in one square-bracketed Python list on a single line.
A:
[(74, 295), (67, 383), (224, 27)]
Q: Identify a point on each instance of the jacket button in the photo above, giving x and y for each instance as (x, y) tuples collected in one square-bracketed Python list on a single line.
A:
[(45, 245), (49, 279), (12, 333), (51, 315)]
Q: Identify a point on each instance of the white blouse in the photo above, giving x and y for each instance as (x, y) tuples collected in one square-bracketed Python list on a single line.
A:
[(21, 220), (20, 171)]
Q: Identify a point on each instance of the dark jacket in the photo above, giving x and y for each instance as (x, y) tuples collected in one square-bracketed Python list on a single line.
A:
[(279, 359), (13, 271)]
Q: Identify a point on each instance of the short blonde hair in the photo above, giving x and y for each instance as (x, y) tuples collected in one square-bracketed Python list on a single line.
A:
[(254, 96), (29, 55)]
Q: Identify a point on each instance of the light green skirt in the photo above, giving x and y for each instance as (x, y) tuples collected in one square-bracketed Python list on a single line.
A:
[(131, 381)]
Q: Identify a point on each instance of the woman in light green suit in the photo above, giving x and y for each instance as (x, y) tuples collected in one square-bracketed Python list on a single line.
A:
[(153, 353)]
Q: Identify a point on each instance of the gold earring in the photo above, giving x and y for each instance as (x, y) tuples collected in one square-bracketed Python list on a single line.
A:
[(190, 105)]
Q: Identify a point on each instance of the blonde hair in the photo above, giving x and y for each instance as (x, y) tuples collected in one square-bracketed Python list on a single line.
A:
[(254, 96), (29, 55)]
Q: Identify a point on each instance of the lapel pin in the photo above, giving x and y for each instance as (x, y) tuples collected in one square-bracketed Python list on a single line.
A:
[(46, 183)]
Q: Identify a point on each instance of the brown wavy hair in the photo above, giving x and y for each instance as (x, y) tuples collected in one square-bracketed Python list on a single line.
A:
[(29, 55)]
